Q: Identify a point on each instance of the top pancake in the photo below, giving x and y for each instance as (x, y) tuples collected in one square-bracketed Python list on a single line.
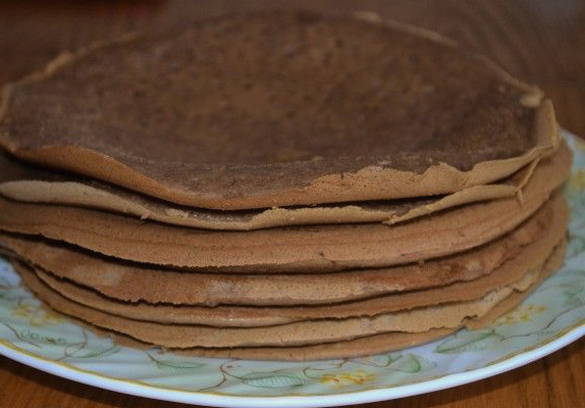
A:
[(273, 109), (21, 181)]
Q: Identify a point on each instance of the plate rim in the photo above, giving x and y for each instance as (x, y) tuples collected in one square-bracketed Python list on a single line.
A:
[(374, 394)]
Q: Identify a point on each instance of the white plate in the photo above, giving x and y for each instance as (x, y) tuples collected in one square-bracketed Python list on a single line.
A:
[(552, 317)]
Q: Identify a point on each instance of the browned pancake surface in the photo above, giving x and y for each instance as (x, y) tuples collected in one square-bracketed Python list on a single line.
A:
[(450, 316), (21, 181), (138, 283), (351, 348), (296, 249), (279, 109), (236, 316)]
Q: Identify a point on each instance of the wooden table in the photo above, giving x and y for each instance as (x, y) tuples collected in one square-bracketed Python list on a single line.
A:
[(541, 41)]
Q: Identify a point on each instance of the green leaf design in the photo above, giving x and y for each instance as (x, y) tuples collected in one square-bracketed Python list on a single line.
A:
[(175, 364), (100, 353), (272, 380), (407, 364), (468, 341), (383, 360), (33, 337), (575, 296), (181, 365), (543, 334), (576, 244), (573, 288)]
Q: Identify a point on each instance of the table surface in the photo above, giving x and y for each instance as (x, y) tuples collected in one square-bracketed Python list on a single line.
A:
[(540, 41)]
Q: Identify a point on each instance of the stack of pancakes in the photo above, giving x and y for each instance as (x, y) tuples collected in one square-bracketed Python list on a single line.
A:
[(281, 186)]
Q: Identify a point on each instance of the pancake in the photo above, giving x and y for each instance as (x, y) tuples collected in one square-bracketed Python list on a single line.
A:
[(363, 346), (20, 181), (256, 117), (134, 282), (296, 249), (448, 316), (230, 316)]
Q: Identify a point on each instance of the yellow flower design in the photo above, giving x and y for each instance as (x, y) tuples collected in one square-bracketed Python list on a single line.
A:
[(522, 314), (341, 380), (577, 180), (36, 315)]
